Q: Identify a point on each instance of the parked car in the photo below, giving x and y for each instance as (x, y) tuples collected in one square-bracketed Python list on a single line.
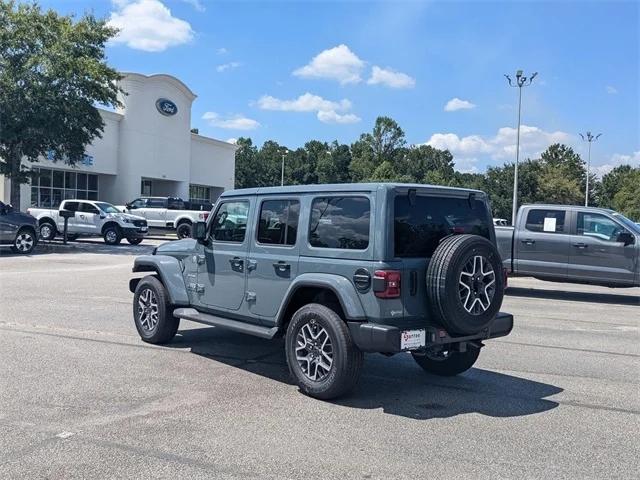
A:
[(566, 243), (500, 222), (92, 218), (338, 270), (166, 212), (17, 230)]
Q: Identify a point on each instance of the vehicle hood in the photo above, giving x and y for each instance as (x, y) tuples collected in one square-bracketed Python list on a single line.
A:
[(124, 216), (186, 246), (22, 217)]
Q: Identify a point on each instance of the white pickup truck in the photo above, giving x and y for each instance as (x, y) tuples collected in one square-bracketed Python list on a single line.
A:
[(166, 212), (92, 218)]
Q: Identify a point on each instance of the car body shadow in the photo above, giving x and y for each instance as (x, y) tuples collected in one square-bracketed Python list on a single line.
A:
[(589, 297), (81, 246), (397, 385)]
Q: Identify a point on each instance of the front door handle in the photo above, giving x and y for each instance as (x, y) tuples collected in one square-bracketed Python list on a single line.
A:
[(580, 245), (236, 263), (282, 266), (528, 241)]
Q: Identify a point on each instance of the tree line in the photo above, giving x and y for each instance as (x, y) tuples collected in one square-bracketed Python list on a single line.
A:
[(558, 176)]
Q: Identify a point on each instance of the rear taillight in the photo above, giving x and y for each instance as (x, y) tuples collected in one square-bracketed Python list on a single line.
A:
[(206, 215), (386, 283)]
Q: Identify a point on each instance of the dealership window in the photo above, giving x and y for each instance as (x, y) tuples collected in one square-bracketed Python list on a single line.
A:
[(49, 187), (199, 193)]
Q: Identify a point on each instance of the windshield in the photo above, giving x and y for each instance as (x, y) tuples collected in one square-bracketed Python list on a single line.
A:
[(634, 227), (107, 207)]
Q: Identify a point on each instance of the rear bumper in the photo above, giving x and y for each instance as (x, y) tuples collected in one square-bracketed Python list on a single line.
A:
[(374, 337)]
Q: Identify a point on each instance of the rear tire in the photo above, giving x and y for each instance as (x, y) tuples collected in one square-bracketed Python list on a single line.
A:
[(184, 230), (135, 241), (321, 355), (112, 235), (72, 237), (48, 231), (450, 365), (152, 312)]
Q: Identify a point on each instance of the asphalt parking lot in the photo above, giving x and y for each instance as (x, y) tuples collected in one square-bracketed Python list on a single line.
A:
[(82, 397)]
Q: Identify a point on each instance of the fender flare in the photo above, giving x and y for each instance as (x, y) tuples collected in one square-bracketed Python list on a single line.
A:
[(342, 287), (170, 273)]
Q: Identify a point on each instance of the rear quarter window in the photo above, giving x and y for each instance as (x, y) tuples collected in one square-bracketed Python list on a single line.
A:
[(418, 228), (340, 222)]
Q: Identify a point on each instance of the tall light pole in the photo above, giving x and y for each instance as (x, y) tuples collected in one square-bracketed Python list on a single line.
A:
[(521, 81), (588, 137), (282, 171)]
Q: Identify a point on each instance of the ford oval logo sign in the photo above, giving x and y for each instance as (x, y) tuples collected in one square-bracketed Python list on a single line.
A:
[(166, 107)]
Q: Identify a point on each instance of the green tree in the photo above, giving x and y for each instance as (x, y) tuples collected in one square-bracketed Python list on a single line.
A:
[(425, 164), (334, 167), (627, 198), (611, 183), (248, 167), (384, 143), (52, 73)]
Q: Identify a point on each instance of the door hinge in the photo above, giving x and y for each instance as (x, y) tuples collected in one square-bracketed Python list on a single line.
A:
[(195, 287), (251, 296), (198, 259)]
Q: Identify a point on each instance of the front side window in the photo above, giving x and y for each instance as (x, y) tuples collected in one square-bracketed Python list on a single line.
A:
[(230, 222), (545, 221), (278, 222), (139, 203), (598, 226), (419, 225), (340, 222)]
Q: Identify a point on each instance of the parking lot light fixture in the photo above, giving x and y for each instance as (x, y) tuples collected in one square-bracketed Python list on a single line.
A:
[(520, 81), (590, 138), (282, 171)]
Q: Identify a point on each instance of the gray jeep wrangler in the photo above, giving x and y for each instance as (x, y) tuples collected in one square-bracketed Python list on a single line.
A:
[(337, 270)]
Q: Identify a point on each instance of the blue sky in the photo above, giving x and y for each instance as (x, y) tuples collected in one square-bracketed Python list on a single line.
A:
[(295, 71)]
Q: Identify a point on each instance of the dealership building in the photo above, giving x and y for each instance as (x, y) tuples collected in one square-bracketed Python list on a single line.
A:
[(147, 148)]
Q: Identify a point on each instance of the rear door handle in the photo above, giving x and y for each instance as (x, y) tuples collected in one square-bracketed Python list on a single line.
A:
[(282, 266), (528, 241), (580, 245)]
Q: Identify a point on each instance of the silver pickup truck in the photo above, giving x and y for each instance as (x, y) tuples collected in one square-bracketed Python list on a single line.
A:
[(567, 243)]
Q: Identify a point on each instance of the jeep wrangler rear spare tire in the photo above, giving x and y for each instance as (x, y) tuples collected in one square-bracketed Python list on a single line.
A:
[(320, 353), (465, 283), (152, 312)]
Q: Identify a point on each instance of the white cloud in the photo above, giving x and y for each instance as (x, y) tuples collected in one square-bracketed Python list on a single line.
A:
[(227, 66), (222, 51), (304, 103), (233, 122), (196, 4), (327, 110), (390, 78), (611, 90), (501, 146), (232, 140), (148, 25), (616, 160), (458, 104), (338, 63), (331, 116)]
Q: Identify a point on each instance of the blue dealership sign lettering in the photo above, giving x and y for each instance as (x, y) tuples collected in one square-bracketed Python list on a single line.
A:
[(166, 107)]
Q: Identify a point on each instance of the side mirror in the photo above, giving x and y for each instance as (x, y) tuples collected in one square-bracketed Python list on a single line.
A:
[(200, 232), (103, 216), (130, 206), (3, 210), (626, 238)]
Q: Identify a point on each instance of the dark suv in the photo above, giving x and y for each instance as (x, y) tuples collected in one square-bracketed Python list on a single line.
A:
[(338, 270), (17, 229)]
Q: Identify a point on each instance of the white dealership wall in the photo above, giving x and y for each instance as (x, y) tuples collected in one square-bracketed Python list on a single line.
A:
[(139, 142)]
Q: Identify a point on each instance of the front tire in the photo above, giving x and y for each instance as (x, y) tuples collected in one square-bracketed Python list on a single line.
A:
[(47, 231), (112, 235), (24, 242), (152, 313), (448, 363), (321, 355)]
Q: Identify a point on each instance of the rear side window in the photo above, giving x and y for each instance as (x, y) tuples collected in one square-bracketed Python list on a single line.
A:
[(545, 220), (418, 228), (340, 222), (230, 222), (71, 206), (278, 222)]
